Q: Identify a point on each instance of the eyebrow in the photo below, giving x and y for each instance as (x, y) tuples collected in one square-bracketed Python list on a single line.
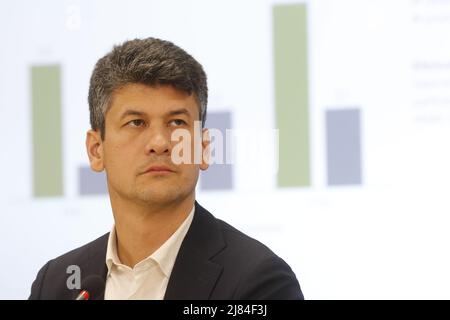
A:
[(131, 113), (179, 111), (175, 112)]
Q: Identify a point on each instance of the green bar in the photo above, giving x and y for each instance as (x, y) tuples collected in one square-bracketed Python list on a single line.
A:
[(291, 93), (47, 144)]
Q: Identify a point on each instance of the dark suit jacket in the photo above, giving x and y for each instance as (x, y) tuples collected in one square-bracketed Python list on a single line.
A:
[(215, 261)]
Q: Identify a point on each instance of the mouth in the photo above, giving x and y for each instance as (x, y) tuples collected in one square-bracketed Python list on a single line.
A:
[(158, 170)]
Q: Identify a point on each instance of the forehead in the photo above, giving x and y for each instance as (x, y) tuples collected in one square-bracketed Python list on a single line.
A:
[(152, 100)]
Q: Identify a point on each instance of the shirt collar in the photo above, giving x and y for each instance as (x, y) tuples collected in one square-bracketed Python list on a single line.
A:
[(164, 256)]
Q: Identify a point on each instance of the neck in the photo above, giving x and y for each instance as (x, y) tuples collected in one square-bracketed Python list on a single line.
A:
[(141, 230)]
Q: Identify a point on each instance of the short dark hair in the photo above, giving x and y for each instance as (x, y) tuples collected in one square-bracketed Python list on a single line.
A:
[(149, 61)]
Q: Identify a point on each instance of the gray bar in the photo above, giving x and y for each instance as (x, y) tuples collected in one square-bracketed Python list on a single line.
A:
[(91, 182), (344, 147), (218, 176)]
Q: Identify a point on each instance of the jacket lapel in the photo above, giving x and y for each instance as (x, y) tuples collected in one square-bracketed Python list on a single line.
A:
[(96, 264), (194, 275)]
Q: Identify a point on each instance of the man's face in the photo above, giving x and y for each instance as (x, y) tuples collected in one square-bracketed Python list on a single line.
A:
[(138, 129)]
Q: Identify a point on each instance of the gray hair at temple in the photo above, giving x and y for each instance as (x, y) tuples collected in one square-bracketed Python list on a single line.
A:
[(147, 61)]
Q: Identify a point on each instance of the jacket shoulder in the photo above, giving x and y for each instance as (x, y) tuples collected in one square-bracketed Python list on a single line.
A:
[(242, 243), (256, 271), (50, 282)]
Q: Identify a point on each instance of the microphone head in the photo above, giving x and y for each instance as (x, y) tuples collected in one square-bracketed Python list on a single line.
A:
[(94, 285)]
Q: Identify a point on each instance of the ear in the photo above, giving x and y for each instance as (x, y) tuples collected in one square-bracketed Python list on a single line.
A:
[(94, 147), (206, 150)]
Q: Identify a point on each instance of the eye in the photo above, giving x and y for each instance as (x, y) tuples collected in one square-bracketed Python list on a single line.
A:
[(178, 122), (136, 123)]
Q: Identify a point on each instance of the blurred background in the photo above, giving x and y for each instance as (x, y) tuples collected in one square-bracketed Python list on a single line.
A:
[(359, 90)]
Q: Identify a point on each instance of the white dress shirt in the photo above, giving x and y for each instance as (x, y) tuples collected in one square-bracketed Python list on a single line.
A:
[(149, 278)]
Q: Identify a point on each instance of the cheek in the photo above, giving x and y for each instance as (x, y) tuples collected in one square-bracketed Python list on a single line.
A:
[(117, 158), (192, 174)]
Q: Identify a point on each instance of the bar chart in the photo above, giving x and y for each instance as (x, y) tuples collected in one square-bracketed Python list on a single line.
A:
[(342, 127), (292, 94), (47, 131)]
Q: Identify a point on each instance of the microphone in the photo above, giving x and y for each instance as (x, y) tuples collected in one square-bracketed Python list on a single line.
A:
[(92, 288)]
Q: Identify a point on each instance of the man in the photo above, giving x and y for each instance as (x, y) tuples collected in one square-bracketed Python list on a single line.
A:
[(163, 245)]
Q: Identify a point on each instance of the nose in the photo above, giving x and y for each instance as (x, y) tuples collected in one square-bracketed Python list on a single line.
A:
[(158, 142)]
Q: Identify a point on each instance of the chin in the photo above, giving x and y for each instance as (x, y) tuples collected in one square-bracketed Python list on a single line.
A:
[(159, 197)]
